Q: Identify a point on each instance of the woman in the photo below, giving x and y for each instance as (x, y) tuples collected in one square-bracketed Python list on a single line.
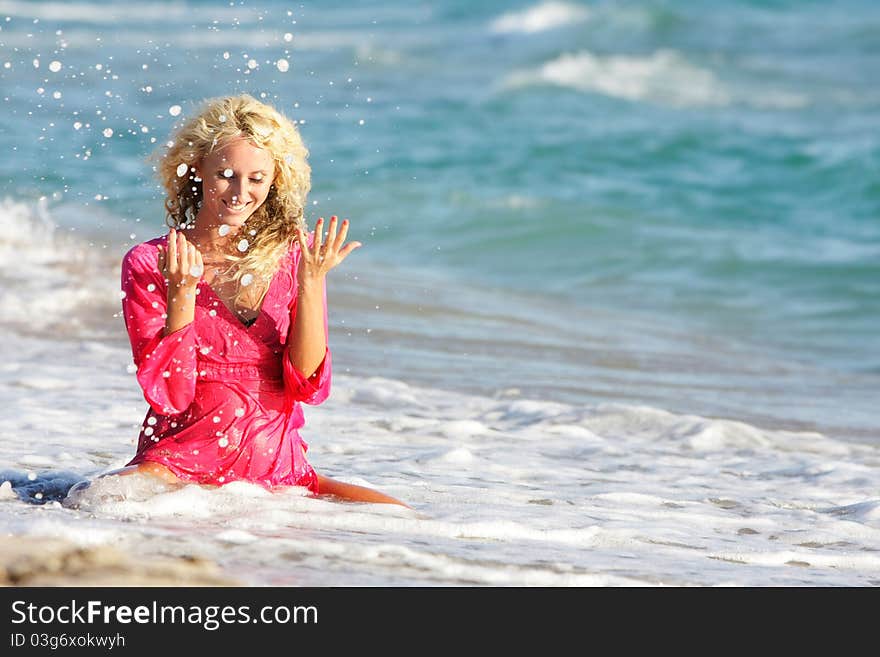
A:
[(227, 314)]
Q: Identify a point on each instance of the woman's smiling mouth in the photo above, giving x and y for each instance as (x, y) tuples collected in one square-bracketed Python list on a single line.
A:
[(236, 208)]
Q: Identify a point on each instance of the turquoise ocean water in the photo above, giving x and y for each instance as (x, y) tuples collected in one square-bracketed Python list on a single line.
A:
[(688, 189)]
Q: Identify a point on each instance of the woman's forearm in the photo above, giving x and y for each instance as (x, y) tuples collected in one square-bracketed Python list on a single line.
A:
[(181, 308), (308, 338)]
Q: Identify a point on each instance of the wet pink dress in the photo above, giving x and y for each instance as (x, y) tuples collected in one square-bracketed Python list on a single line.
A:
[(224, 397)]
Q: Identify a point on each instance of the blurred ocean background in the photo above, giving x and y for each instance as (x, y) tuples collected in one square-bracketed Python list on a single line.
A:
[(616, 316)]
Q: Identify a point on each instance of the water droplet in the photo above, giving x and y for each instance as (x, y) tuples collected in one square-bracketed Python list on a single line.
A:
[(55, 66), (223, 230), (243, 245), (225, 55), (239, 412), (181, 170), (108, 132), (32, 476), (227, 173), (222, 118), (151, 421), (174, 110), (223, 442), (288, 37), (282, 65), (252, 64), (122, 294), (36, 63), (216, 419), (196, 271), (247, 279), (148, 431), (151, 287)]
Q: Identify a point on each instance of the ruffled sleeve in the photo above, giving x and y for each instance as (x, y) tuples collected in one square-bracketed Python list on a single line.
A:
[(166, 365), (297, 388)]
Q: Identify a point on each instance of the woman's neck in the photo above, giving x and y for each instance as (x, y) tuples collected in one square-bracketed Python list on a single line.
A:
[(209, 238)]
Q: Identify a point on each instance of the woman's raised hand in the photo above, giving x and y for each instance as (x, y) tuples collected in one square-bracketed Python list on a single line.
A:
[(323, 256), (181, 262)]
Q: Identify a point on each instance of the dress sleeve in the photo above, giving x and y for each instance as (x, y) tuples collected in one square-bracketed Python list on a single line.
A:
[(316, 388), (166, 364)]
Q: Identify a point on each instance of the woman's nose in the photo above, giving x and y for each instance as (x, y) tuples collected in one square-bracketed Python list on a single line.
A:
[(239, 188)]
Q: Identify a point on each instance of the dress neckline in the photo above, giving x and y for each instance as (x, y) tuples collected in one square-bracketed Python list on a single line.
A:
[(244, 324)]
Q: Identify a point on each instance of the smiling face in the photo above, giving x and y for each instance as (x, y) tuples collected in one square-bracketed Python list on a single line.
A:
[(235, 180)]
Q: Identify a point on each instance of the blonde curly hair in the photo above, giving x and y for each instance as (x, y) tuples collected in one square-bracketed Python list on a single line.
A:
[(276, 221)]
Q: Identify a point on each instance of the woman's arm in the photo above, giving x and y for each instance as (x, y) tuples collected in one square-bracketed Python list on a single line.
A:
[(165, 362), (308, 329), (308, 336), (182, 267)]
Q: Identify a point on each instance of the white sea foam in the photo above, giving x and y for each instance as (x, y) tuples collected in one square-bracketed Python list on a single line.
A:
[(50, 280), (664, 77), (81, 38), (506, 492), (134, 12), (541, 17)]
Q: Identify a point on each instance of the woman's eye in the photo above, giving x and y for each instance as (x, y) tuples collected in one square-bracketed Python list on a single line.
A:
[(256, 180)]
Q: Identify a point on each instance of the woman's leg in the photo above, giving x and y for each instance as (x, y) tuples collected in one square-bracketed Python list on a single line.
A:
[(150, 468), (328, 486), (147, 467)]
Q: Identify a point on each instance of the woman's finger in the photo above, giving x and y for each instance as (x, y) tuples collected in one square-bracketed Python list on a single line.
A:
[(301, 238), (192, 267), (316, 244), (340, 239), (171, 260), (331, 234), (182, 250), (344, 253), (182, 254)]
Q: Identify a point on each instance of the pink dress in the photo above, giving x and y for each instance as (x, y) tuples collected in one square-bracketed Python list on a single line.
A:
[(224, 397)]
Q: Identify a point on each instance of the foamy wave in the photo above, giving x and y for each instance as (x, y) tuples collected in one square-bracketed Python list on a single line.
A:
[(545, 16), (84, 37), (664, 77), (122, 12), (804, 559), (48, 279), (506, 492)]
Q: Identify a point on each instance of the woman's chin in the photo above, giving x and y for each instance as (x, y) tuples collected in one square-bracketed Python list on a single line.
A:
[(233, 221)]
